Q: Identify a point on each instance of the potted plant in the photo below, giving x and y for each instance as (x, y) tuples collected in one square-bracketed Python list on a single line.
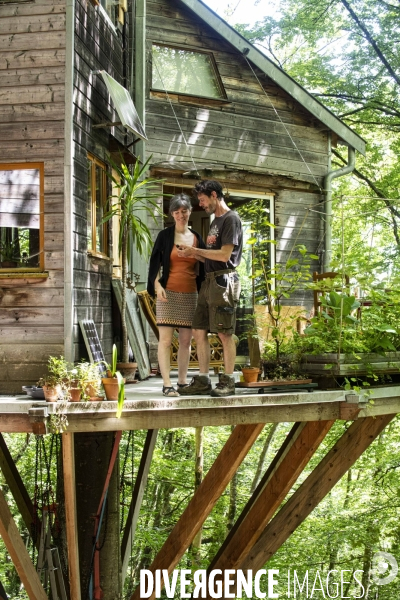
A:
[(51, 387), (89, 380), (278, 322), (250, 374), (56, 381), (353, 338), (136, 195), (114, 383)]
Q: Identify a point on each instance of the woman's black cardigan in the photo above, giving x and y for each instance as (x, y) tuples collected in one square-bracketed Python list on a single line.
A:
[(160, 257)]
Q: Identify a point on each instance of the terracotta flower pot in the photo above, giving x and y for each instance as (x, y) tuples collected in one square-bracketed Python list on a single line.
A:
[(128, 371), (92, 390), (75, 394), (110, 385), (250, 374), (51, 393)]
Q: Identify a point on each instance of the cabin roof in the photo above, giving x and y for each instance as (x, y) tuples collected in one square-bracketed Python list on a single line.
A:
[(282, 79)]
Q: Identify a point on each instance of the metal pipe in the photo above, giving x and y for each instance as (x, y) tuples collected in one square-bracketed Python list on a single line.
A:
[(351, 161)]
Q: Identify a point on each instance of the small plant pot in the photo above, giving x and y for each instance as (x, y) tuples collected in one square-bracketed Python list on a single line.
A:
[(75, 394), (111, 387), (128, 371), (250, 374), (92, 390), (51, 393)]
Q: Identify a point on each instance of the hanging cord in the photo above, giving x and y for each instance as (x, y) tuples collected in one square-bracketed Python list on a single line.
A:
[(176, 116), (283, 124)]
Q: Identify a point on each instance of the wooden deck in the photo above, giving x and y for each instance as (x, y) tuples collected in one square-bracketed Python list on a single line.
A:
[(146, 408)]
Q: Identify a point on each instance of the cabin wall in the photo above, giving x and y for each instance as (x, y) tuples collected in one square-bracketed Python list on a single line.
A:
[(32, 71), (98, 46), (261, 140), (259, 129)]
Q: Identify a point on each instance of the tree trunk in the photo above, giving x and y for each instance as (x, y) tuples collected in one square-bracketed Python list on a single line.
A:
[(264, 452), (92, 457), (198, 477)]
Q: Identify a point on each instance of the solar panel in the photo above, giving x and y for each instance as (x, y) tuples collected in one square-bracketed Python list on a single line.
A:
[(124, 105)]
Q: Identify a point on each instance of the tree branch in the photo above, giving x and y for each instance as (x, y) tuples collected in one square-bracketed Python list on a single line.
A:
[(394, 212), (371, 40)]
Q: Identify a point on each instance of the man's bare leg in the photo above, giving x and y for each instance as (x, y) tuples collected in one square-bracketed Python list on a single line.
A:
[(203, 349), (229, 347), (200, 384)]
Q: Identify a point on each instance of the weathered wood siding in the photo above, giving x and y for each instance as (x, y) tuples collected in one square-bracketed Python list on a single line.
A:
[(32, 70), (261, 140), (97, 46), (254, 131)]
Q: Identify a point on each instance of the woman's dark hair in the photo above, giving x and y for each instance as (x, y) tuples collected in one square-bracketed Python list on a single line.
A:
[(178, 201), (207, 186)]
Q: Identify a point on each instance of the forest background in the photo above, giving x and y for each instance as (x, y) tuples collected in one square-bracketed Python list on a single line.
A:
[(347, 54)]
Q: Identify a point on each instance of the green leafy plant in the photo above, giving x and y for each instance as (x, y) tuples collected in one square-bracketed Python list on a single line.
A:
[(281, 283), (112, 373), (135, 199)]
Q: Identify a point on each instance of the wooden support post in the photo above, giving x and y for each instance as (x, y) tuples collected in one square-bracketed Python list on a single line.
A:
[(203, 501), (70, 515), (270, 498), (19, 554), (317, 485), (137, 497), (16, 485)]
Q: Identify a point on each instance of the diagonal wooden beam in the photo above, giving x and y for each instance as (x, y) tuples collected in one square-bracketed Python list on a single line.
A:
[(19, 554), (137, 497), (16, 485), (289, 440), (204, 499), (317, 485), (70, 515), (284, 475)]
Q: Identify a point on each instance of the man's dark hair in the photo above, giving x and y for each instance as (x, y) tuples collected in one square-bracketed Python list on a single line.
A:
[(207, 186)]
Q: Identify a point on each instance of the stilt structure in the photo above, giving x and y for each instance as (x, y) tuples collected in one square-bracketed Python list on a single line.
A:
[(266, 521)]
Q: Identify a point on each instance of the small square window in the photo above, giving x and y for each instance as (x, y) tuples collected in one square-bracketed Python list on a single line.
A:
[(96, 200), (186, 72), (21, 216)]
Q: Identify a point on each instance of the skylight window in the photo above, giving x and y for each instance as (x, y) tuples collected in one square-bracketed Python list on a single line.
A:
[(187, 72)]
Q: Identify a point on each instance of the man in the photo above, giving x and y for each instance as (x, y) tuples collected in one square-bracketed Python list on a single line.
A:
[(219, 293)]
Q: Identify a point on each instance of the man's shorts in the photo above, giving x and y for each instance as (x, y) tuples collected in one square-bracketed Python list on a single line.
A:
[(216, 305)]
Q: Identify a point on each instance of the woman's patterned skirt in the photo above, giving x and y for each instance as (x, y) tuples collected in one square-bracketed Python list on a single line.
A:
[(178, 311)]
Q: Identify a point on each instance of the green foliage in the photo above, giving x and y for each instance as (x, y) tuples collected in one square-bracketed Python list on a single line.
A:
[(343, 53), (136, 194)]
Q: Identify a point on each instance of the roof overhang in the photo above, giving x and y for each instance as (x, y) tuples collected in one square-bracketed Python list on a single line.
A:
[(296, 91)]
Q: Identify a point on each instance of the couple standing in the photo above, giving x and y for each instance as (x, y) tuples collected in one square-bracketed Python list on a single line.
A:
[(180, 266)]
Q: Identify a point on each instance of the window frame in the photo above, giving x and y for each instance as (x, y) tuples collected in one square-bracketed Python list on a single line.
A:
[(222, 98), (40, 167), (92, 186)]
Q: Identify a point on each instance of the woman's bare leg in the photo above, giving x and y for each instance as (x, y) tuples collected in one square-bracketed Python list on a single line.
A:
[(185, 335), (164, 353)]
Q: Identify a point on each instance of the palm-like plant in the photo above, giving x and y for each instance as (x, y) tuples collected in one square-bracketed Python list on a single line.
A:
[(135, 193)]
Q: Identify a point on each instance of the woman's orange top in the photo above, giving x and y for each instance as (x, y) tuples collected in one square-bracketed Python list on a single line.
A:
[(182, 272)]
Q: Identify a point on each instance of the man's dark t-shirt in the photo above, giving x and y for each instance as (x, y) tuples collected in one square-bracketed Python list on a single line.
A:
[(226, 229)]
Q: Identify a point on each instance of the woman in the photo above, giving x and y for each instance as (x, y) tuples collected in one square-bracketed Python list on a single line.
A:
[(175, 281)]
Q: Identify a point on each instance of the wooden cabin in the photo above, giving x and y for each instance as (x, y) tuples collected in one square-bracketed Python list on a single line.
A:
[(212, 105)]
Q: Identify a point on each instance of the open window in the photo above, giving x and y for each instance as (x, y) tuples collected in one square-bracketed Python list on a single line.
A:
[(97, 232), (21, 216), (185, 71)]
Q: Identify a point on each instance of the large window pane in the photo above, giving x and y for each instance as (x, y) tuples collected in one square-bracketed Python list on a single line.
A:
[(185, 72), (20, 199), (96, 231)]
